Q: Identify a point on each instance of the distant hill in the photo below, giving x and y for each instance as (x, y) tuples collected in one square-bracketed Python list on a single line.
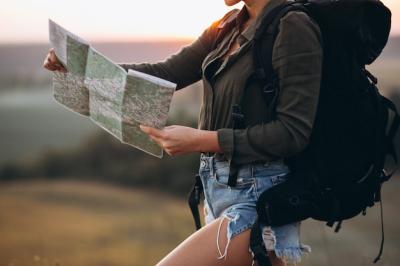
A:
[(88, 224), (22, 64)]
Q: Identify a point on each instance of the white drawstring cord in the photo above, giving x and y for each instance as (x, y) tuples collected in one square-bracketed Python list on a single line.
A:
[(227, 244)]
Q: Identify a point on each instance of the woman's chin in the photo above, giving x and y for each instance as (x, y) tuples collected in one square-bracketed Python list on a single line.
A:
[(231, 2)]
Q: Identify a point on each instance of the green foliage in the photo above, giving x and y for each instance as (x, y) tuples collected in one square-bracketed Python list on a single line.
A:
[(49, 223), (102, 157)]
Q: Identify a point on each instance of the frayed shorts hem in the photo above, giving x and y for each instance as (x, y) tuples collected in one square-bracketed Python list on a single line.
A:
[(238, 204)]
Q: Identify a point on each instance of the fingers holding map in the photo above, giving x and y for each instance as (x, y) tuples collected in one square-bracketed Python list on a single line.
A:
[(117, 101), (69, 88)]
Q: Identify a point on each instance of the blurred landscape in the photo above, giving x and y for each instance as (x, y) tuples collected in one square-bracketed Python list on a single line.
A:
[(71, 194), (92, 224)]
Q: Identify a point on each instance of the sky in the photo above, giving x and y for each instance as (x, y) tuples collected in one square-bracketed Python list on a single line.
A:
[(24, 21)]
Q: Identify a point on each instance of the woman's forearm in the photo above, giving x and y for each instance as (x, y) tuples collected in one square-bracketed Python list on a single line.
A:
[(176, 140), (208, 141)]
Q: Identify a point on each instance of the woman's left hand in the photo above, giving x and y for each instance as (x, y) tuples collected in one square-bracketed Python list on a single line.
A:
[(177, 140)]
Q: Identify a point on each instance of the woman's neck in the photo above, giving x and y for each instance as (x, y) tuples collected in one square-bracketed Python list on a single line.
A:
[(254, 7)]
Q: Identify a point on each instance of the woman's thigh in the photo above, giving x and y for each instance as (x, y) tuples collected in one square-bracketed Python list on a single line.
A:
[(201, 248)]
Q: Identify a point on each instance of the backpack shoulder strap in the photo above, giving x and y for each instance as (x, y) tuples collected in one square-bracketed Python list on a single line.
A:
[(264, 40), (263, 71)]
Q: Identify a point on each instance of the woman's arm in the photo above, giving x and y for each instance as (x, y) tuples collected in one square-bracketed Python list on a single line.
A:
[(297, 60), (184, 67)]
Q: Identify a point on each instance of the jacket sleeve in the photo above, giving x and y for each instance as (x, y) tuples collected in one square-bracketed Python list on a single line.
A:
[(297, 60), (184, 67)]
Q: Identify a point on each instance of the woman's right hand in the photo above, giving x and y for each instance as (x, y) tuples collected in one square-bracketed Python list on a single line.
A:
[(52, 63)]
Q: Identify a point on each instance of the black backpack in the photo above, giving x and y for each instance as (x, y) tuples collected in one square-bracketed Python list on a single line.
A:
[(340, 173)]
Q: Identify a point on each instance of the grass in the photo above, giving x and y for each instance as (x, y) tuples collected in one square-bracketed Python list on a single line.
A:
[(76, 223), (68, 223)]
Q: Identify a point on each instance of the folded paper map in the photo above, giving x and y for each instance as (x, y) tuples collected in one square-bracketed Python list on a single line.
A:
[(115, 100)]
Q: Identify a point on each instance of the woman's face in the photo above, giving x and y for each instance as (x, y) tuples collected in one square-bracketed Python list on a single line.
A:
[(231, 2)]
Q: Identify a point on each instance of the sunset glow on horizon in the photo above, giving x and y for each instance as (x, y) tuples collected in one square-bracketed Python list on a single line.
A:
[(25, 21)]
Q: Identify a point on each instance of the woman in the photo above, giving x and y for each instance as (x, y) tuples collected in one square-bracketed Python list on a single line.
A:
[(258, 149)]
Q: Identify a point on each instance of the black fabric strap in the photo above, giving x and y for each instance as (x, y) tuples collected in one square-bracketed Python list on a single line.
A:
[(194, 201), (265, 37), (382, 235), (263, 63), (338, 226), (238, 122), (233, 171), (257, 246)]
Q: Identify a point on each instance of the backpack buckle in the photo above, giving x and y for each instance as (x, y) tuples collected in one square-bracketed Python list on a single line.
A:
[(371, 77), (194, 200), (269, 88)]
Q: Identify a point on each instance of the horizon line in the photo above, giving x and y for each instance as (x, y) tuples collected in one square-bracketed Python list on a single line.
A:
[(125, 40), (109, 40)]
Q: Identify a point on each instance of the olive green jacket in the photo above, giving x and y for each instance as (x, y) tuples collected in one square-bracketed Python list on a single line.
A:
[(297, 60)]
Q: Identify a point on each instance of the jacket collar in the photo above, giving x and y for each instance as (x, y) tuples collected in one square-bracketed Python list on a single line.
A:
[(243, 15)]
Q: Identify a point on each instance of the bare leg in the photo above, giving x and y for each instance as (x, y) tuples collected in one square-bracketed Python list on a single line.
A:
[(200, 249)]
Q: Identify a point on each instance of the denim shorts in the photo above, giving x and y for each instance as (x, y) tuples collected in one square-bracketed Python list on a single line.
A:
[(238, 204)]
